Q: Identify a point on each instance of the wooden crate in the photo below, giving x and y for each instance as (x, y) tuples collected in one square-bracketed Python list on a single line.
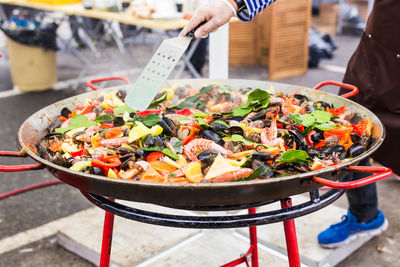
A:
[(277, 38)]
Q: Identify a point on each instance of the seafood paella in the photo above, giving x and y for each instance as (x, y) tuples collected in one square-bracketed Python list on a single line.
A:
[(204, 135)]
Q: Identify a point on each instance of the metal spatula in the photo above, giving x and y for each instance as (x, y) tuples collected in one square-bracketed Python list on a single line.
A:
[(157, 71)]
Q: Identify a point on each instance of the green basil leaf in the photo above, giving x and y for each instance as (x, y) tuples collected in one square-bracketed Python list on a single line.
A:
[(201, 104), (153, 148), (206, 89), (321, 116), (103, 118), (151, 120), (224, 91), (239, 138), (240, 111), (172, 106), (170, 154), (158, 101), (77, 121), (259, 95), (202, 123), (122, 109), (295, 117), (325, 126), (294, 156), (201, 114), (307, 120)]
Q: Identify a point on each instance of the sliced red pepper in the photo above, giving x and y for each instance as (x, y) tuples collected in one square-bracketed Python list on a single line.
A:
[(106, 126), (147, 112), (87, 109), (79, 107), (106, 162), (153, 156), (308, 138), (184, 112), (320, 144), (300, 127), (108, 110), (62, 118), (337, 111), (279, 125), (79, 153), (339, 131), (190, 137), (113, 133)]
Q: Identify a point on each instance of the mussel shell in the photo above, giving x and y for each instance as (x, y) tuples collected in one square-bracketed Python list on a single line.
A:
[(219, 127), (356, 150), (54, 125), (125, 162), (60, 160), (75, 136), (158, 141), (259, 116), (98, 110), (121, 94), (323, 104), (149, 141), (51, 135), (317, 137), (235, 130), (65, 112), (168, 126), (298, 137), (213, 136), (207, 157), (118, 121), (97, 171), (266, 172), (338, 149), (123, 150), (232, 118), (302, 167), (262, 156), (301, 98)]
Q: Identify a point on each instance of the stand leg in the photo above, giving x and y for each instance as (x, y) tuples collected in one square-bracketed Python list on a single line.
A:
[(107, 239), (253, 250), (291, 238)]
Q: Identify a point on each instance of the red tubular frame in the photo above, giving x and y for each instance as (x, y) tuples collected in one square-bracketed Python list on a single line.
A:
[(290, 236), (354, 89), (92, 86), (18, 168), (107, 239), (380, 173)]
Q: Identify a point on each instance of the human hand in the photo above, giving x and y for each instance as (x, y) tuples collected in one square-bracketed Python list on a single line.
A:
[(215, 15)]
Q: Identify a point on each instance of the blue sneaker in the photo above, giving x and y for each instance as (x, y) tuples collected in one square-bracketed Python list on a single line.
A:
[(349, 229)]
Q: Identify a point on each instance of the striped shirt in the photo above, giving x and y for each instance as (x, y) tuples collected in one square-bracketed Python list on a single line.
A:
[(253, 8)]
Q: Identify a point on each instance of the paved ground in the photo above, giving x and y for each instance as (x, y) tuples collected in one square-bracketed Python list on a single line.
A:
[(33, 209)]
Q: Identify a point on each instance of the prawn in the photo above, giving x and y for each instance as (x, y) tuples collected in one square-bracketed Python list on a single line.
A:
[(114, 141), (233, 175), (269, 136), (196, 146)]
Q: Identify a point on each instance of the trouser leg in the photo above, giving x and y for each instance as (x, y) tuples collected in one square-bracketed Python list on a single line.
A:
[(363, 201)]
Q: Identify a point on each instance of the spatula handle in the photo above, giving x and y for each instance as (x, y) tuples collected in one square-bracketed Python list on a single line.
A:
[(191, 33)]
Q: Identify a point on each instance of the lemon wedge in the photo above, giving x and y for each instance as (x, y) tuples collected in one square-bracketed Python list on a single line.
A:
[(193, 172), (219, 167)]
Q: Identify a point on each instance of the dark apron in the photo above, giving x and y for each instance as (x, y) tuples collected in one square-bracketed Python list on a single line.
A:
[(375, 69)]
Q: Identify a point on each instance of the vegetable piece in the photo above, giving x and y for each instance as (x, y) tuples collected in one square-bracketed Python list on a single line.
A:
[(77, 121), (337, 111), (87, 109), (79, 153), (239, 138), (219, 167), (122, 109), (158, 101), (78, 166), (339, 131), (294, 156), (144, 113), (154, 156), (193, 172), (309, 140), (156, 130), (184, 112), (107, 162), (151, 175), (112, 173), (139, 131), (190, 137), (170, 154), (113, 133), (162, 167)]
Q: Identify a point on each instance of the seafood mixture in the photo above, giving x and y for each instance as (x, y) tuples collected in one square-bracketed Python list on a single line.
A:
[(205, 135)]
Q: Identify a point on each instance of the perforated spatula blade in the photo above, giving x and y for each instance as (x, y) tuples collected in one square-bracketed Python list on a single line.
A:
[(156, 72)]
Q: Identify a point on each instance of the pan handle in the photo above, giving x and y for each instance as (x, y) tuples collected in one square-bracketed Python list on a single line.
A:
[(354, 89), (380, 173), (91, 82), (18, 168)]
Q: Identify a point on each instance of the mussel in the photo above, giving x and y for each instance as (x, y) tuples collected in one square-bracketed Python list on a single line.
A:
[(169, 126), (149, 141), (65, 112), (123, 150), (213, 136), (219, 126), (317, 137), (323, 104), (266, 171), (262, 156), (338, 149), (54, 125), (297, 137), (259, 116), (235, 130), (301, 98), (356, 150), (118, 121), (207, 157), (121, 94)]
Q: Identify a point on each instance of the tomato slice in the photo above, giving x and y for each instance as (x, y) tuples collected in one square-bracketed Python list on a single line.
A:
[(113, 133), (153, 156), (337, 111)]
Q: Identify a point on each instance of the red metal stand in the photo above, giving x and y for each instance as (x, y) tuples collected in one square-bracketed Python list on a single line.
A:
[(291, 238), (290, 234), (107, 239)]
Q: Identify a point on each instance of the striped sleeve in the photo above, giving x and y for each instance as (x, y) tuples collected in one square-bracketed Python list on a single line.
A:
[(253, 8)]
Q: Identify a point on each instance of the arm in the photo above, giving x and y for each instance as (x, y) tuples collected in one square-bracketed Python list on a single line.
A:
[(220, 12)]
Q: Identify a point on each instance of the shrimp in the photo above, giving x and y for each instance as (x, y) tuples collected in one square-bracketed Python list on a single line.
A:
[(89, 132), (232, 176), (196, 146), (269, 137), (114, 141)]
